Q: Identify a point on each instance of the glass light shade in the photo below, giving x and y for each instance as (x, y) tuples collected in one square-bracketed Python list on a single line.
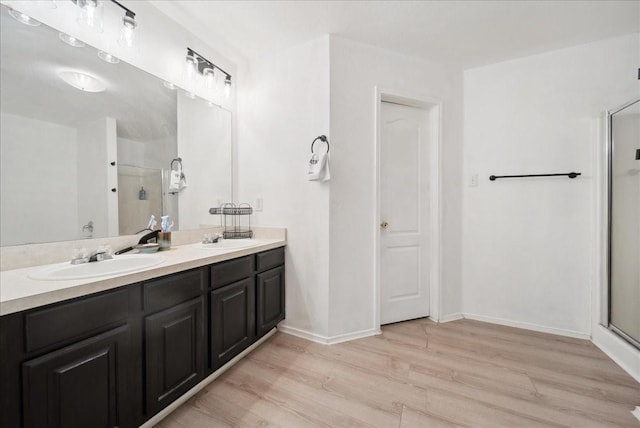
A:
[(25, 19), (107, 57), (82, 81), (71, 41), (191, 65), (128, 32), (209, 77), (227, 87), (90, 14)]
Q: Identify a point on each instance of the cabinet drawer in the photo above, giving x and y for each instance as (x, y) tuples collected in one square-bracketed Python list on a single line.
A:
[(269, 259), (173, 289), (75, 319), (231, 271)]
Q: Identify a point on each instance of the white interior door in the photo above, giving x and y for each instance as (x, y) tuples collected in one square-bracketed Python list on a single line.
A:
[(404, 213)]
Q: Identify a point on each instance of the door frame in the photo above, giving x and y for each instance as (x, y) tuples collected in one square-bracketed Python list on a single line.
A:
[(433, 108)]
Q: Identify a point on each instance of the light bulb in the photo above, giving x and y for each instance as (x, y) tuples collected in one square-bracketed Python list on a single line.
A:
[(191, 66), (90, 14), (209, 77), (128, 32)]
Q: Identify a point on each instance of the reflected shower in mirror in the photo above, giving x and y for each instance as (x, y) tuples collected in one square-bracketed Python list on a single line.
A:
[(80, 138)]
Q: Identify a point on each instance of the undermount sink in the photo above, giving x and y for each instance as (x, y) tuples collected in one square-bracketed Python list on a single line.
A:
[(116, 265), (229, 244)]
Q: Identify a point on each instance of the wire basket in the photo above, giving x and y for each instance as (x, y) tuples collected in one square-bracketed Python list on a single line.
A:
[(236, 220)]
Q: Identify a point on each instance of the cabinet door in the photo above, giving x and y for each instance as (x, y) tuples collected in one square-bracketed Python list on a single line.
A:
[(174, 352), (270, 303), (81, 385), (232, 321)]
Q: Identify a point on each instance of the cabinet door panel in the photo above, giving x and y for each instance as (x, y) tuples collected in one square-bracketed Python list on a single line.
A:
[(174, 352), (82, 385), (270, 304), (232, 321)]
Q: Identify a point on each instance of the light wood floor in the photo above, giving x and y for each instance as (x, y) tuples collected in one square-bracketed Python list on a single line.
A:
[(419, 374)]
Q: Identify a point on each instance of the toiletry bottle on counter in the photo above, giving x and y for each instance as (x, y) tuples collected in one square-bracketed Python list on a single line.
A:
[(142, 194)]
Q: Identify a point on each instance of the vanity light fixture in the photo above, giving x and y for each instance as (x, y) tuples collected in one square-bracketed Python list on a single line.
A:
[(107, 57), (82, 81), (71, 41), (199, 65), (90, 14), (24, 18)]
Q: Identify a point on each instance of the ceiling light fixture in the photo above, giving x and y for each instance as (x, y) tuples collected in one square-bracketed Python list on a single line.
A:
[(71, 41), (82, 81), (199, 65), (107, 57), (25, 19)]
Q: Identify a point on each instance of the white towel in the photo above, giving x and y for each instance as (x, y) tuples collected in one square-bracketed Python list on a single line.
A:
[(177, 180), (319, 167)]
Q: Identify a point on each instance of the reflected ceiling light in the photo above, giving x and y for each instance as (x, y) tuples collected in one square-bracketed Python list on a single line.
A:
[(25, 19), (90, 14), (71, 41), (107, 57), (169, 85), (199, 65), (82, 81)]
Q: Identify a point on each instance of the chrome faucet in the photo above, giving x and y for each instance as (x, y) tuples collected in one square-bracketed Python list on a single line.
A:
[(81, 256)]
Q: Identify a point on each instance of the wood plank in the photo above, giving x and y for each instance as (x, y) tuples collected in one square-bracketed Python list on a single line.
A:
[(419, 373)]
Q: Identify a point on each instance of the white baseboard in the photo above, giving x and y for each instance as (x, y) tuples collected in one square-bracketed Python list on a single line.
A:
[(327, 340), (623, 354), (193, 391), (529, 326), (452, 317)]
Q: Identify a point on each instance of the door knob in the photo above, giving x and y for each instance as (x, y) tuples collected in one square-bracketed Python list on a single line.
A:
[(384, 225)]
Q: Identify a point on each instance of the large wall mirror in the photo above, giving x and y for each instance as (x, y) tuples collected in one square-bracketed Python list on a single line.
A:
[(624, 221), (80, 164)]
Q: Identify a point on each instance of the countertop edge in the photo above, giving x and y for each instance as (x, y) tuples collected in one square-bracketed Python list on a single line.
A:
[(80, 288)]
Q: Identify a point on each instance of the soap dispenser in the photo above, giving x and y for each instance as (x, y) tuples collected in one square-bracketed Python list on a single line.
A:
[(142, 194)]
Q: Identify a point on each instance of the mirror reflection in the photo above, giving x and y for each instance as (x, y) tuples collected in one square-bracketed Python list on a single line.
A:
[(86, 145)]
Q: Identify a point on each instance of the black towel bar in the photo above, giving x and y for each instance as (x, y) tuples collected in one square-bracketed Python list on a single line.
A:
[(568, 174)]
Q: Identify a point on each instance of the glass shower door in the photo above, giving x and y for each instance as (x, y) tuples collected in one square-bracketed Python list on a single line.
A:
[(624, 217)]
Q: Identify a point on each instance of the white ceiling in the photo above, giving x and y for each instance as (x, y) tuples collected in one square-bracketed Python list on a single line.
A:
[(463, 33)]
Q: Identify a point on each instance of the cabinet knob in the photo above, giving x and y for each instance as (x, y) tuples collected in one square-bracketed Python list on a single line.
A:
[(384, 225), (113, 163), (113, 190)]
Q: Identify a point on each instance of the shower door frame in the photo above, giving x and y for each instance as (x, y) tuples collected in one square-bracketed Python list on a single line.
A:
[(606, 291)]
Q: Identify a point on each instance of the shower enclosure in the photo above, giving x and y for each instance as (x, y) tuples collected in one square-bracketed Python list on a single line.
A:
[(622, 299)]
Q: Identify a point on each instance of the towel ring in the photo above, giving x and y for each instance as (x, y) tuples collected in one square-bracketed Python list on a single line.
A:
[(179, 160), (322, 138)]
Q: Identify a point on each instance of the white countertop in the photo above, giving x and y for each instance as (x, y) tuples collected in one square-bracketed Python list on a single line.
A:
[(19, 292)]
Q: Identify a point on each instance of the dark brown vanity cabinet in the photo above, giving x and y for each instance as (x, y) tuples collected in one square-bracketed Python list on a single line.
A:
[(116, 358), (174, 336), (269, 290), (232, 310), (72, 364)]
